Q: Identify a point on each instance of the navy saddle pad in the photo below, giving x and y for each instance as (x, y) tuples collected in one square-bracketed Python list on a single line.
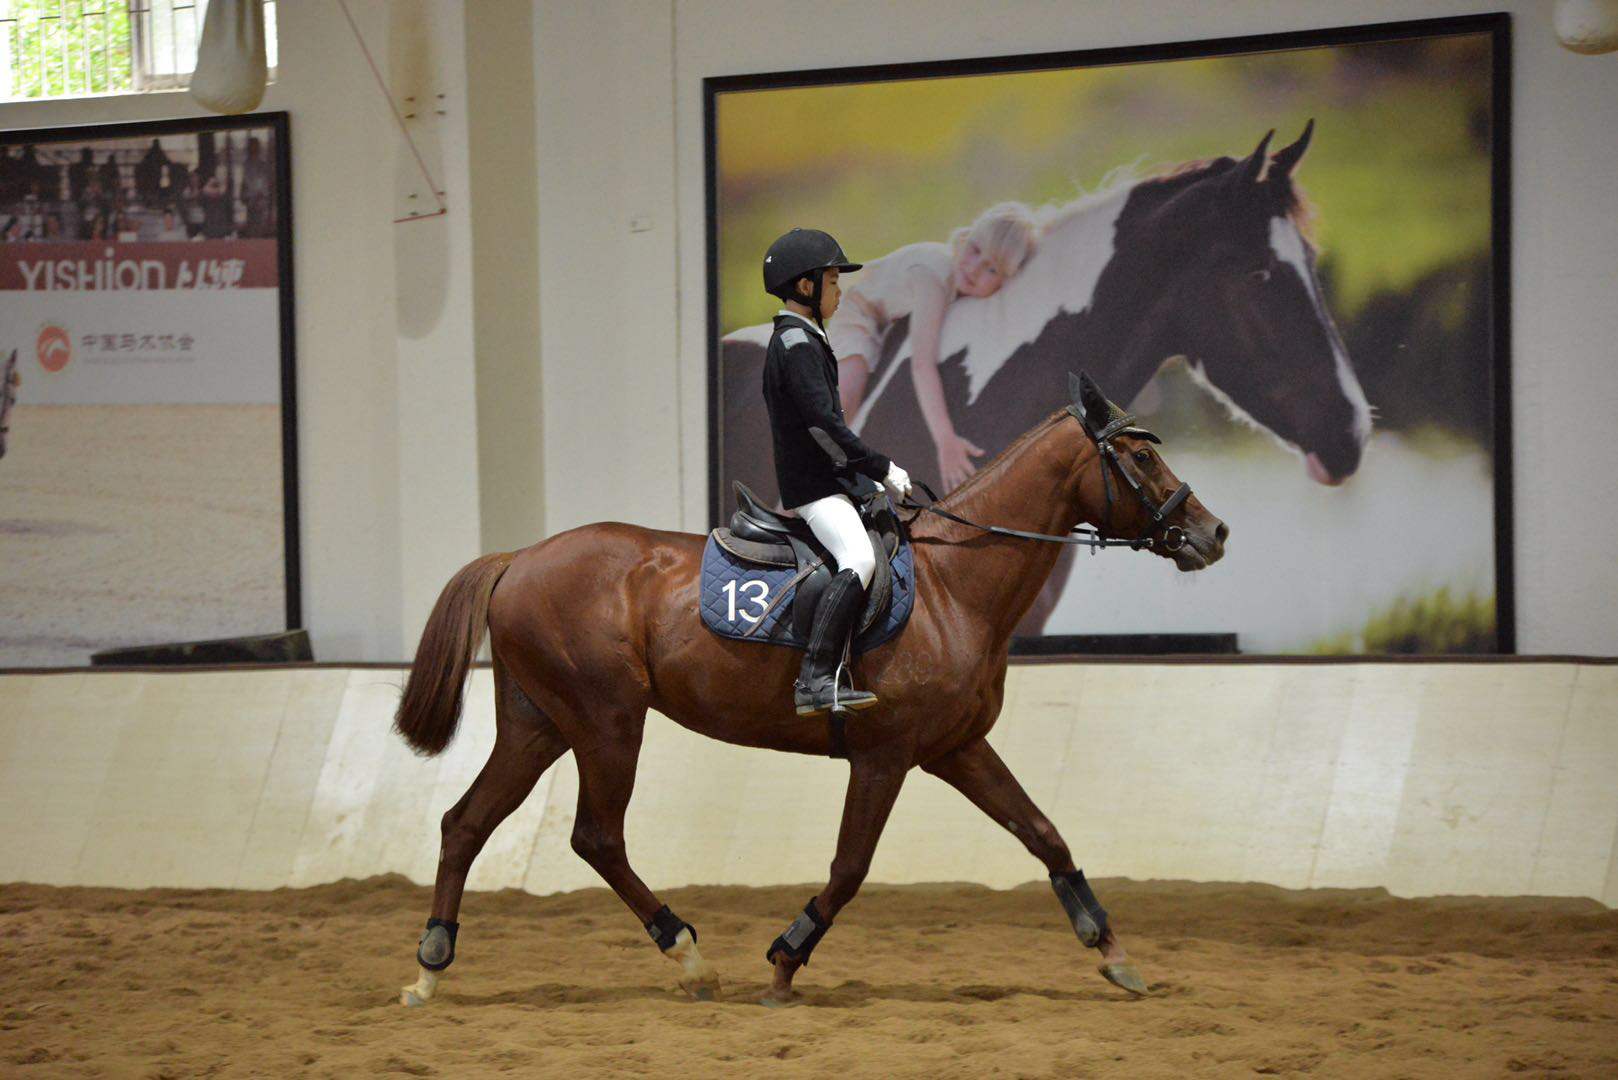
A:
[(733, 592)]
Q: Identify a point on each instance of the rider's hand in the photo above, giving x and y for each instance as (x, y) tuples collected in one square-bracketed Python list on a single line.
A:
[(897, 479), (954, 459)]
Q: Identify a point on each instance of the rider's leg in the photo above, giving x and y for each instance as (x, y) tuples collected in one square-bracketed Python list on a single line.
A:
[(836, 524), (874, 781), (977, 772)]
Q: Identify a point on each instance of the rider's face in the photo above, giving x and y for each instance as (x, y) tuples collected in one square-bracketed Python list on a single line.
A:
[(831, 294)]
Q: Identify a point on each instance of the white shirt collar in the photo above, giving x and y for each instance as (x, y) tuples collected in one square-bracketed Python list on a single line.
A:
[(806, 321)]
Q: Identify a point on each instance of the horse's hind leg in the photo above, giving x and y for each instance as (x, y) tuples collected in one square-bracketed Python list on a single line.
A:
[(977, 772), (526, 743), (606, 780)]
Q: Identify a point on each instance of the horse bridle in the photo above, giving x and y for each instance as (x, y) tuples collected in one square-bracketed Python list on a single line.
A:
[(1174, 537)]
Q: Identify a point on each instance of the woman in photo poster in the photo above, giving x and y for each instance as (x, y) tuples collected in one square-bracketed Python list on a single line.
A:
[(1250, 295)]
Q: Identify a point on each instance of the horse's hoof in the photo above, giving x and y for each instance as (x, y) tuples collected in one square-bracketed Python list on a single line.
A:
[(701, 989), (697, 977), (421, 991), (790, 1000), (1124, 976)]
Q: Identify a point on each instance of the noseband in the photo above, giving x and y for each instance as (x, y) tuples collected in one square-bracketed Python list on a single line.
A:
[(1174, 537)]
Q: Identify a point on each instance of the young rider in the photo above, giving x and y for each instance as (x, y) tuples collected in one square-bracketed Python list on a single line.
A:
[(820, 465)]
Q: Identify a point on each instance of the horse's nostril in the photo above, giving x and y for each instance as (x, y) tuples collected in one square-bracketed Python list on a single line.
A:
[(1221, 532)]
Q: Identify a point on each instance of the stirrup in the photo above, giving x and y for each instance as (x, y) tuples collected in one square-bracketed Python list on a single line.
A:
[(847, 699), (844, 702), (842, 699)]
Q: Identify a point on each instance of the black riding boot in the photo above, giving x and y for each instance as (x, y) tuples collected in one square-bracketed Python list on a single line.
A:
[(817, 687)]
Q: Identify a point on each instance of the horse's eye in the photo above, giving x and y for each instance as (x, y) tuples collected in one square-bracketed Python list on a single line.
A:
[(1143, 456), (1259, 277)]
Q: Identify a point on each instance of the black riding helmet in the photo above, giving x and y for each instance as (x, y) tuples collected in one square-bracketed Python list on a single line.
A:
[(803, 253)]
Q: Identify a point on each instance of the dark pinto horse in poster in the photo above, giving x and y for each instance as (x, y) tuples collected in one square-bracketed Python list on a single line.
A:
[(1209, 262), (593, 627)]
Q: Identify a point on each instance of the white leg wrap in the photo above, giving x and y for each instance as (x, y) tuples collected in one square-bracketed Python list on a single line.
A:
[(422, 992), (697, 977)]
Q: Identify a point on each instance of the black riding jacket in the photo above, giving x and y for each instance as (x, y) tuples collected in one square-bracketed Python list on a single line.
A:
[(816, 455)]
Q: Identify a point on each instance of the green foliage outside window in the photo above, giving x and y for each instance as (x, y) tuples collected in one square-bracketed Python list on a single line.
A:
[(56, 48)]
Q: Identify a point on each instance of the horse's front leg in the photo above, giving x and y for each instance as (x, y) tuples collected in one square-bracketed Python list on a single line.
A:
[(977, 772), (874, 779)]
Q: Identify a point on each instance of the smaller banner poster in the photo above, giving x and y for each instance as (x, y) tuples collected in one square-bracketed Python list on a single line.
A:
[(145, 495)]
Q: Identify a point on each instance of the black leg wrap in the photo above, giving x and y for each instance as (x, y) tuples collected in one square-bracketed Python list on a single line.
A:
[(800, 939), (436, 950), (1084, 911), (665, 927)]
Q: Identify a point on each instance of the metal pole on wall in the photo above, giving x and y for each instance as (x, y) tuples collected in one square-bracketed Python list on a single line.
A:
[(432, 185)]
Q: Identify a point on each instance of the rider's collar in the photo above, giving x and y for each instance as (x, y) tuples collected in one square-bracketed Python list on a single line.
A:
[(810, 323)]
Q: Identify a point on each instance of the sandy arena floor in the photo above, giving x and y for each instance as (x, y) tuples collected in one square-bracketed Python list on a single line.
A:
[(937, 981)]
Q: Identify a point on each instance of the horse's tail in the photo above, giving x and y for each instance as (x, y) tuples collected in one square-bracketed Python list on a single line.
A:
[(430, 709)]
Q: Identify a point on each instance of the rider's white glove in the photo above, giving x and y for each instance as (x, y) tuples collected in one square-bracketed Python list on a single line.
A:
[(897, 479)]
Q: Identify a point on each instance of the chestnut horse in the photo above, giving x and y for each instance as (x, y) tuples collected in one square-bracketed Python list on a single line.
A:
[(592, 627)]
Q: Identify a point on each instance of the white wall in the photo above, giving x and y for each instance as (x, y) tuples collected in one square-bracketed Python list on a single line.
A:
[(502, 104), (431, 428), (1422, 778), (616, 379)]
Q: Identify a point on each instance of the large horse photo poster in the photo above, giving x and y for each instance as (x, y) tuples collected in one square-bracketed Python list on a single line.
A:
[(1285, 255), (147, 470)]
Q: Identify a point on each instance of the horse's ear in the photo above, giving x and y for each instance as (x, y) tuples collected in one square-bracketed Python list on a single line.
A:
[(1286, 159), (1252, 166), (1088, 396)]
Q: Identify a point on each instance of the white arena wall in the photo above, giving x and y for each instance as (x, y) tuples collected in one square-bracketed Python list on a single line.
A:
[(1424, 778)]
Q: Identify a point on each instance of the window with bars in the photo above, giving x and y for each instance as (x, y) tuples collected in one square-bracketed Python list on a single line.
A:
[(73, 48)]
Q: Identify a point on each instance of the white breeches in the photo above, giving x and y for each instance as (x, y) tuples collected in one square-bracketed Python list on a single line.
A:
[(836, 524)]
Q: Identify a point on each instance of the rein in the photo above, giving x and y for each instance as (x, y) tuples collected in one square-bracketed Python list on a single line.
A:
[(1081, 535), (1173, 536)]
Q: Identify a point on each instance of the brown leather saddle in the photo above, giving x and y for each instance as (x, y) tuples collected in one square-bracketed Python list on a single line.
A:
[(781, 538)]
